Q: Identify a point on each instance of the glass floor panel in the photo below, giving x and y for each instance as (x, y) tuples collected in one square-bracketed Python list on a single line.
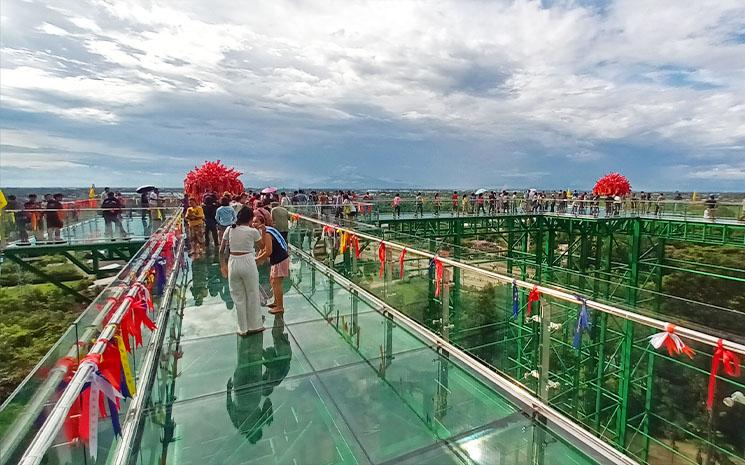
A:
[(331, 382)]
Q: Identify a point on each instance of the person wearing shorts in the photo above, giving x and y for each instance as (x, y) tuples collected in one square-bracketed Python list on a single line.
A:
[(274, 249), (397, 206)]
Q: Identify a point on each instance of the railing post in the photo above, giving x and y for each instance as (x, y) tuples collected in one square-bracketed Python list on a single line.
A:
[(545, 367)]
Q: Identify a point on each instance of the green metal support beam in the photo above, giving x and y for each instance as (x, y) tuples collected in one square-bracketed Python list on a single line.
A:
[(32, 269)]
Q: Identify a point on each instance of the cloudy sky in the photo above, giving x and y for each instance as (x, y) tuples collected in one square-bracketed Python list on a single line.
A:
[(439, 93)]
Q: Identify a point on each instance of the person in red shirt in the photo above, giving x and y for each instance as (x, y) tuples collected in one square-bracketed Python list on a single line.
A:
[(480, 205), (454, 207)]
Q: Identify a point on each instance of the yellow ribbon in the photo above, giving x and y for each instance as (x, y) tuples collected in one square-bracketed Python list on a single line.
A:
[(128, 378), (343, 242)]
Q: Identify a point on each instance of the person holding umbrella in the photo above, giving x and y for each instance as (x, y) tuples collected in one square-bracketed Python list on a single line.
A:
[(144, 192)]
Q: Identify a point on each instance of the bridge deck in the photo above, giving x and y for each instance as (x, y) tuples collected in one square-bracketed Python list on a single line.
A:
[(305, 391)]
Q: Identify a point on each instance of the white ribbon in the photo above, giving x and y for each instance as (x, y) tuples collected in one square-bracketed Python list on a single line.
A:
[(657, 340), (98, 385)]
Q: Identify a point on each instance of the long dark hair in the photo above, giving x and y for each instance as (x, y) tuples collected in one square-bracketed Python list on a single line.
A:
[(245, 216)]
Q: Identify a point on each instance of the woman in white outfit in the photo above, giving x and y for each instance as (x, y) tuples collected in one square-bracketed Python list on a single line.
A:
[(243, 277)]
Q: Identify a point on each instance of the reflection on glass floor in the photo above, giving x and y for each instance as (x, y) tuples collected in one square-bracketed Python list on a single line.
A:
[(332, 382)]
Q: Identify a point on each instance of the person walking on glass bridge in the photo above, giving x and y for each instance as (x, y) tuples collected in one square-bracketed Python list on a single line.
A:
[(238, 250), (659, 205), (419, 205), (209, 206), (454, 206), (33, 210), (112, 211), (465, 205), (54, 218), (437, 204), (397, 206), (275, 250), (225, 216), (711, 208), (195, 222)]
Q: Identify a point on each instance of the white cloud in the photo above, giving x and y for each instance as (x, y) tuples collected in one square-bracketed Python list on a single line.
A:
[(562, 78)]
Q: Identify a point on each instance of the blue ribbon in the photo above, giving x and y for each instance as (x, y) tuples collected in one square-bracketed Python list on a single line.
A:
[(123, 384), (583, 322), (515, 300), (113, 411), (160, 275), (114, 417)]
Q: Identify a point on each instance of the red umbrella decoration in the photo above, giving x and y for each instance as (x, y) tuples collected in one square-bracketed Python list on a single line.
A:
[(612, 184), (212, 176)]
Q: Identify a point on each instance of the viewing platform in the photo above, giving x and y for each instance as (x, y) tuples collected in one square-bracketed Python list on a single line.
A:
[(380, 367)]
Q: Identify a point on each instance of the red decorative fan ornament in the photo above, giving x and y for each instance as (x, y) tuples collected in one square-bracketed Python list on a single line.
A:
[(212, 176), (612, 184)]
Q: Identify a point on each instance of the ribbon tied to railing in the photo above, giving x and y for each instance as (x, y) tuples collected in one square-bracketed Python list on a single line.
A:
[(515, 300), (343, 241), (533, 296), (135, 318), (354, 242), (671, 341), (401, 259), (731, 365), (160, 274), (96, 395), (583, 322), (143, 293), (437, 263), (381, 258)]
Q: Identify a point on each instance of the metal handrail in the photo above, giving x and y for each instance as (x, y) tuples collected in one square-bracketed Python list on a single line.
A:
[(515, 392), (553, 292), (149, 367), (13, 437), (48, 431)]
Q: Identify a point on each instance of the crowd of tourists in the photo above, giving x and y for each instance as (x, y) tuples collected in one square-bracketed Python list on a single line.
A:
[(562, 202), (249, 230), (43, 219)]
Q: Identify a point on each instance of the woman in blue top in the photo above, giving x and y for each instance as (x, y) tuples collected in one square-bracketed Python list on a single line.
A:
[(225, 216), (274, 249)]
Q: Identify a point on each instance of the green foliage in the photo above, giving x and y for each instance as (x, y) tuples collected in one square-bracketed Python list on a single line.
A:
[(12, 275), (32, 319)]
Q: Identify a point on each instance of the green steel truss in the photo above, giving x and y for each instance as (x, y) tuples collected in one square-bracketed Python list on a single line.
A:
[(87, 257), (615, 384)]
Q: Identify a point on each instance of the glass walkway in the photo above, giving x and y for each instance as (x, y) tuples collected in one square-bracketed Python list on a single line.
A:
[(362, 369), (306, 392)]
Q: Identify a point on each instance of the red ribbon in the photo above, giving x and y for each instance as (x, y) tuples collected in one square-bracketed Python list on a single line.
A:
[(355, 242), (111, 365), (137, 317), (438, 275), (729, 362), (381, 257), (401, 263), (83, 425), (144, 295), (533, 296)]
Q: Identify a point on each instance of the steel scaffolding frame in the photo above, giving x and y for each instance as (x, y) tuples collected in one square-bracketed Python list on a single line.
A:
[(607, 259)]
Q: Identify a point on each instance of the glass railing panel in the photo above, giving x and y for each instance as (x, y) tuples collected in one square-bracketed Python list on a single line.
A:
[(23, 413), (37, 393), (82, 226), (583, 383)]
